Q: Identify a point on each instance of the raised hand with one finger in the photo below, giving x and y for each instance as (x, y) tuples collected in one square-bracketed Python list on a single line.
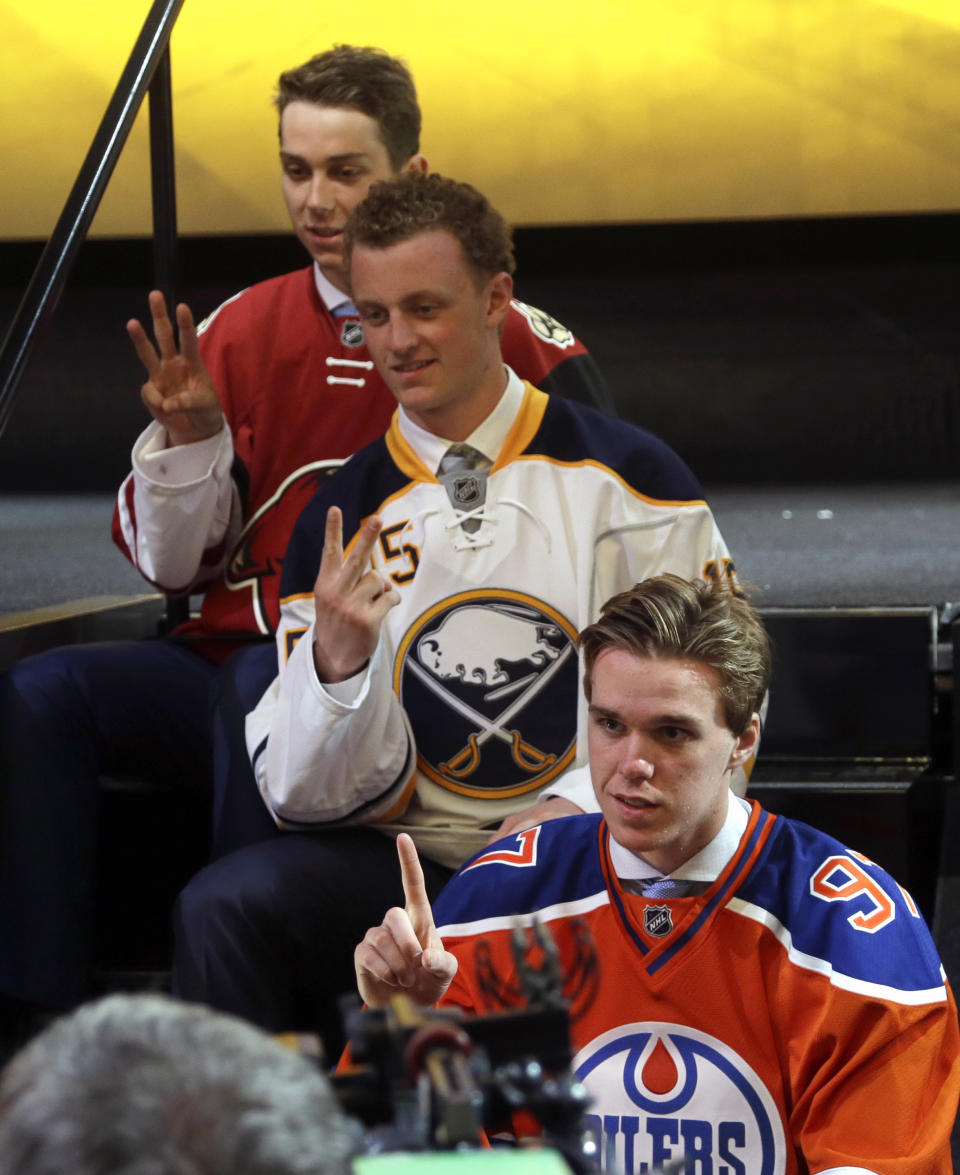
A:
[(405, 953)]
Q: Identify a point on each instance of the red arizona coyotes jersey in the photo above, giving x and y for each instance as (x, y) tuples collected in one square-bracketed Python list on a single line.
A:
[(300, 393), (792, 1019)]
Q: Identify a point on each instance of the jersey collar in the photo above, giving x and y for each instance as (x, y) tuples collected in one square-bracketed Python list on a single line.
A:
[(707, 865), (488, 437)]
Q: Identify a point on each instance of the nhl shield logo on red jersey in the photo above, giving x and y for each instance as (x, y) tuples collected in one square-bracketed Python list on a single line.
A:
[(504, 669), (666, 1092), (351, 334)]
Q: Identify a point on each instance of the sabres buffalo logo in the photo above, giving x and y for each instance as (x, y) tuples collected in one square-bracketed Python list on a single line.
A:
[(257, 556), (490, 680), (545, 325)]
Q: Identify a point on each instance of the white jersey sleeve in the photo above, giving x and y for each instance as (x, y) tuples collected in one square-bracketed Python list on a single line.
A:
[(179, 509), (321, 760)]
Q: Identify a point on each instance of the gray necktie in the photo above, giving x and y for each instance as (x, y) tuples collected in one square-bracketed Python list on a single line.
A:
[(463, 473)]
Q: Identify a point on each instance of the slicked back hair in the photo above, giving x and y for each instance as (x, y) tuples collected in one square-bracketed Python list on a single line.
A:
[(670, 617)]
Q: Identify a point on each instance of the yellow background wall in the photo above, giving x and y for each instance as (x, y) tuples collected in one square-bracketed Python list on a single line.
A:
[(596, 111)]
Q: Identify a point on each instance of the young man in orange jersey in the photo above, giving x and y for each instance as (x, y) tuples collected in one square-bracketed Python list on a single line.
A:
[(769, 1000)]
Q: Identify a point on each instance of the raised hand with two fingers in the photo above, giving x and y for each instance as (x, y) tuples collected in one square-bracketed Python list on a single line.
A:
[(179, 393), (350, 600), (405, 953)]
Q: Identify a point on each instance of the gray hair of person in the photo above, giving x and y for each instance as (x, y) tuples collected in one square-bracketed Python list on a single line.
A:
[(412, 203), (670, 617), (357, 77), (144, 1085)]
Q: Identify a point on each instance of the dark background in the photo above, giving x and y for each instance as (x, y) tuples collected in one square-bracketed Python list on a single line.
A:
[(788, 352)]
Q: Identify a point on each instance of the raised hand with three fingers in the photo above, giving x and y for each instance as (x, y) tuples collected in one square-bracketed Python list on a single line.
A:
[(405, 953), (350, 600), (179, 393)]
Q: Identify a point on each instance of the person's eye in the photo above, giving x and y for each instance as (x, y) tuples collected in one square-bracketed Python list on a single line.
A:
[(674, 734), (372, 317)]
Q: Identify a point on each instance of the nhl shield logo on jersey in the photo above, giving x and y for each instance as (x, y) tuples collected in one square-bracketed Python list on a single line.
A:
[(351, 334), (504, 667), (467, 490), (666, 1092), (657, 921), (546, 326)]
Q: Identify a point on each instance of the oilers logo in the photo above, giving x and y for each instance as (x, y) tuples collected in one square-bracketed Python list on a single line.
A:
[(504, 668), (545, 325), (667, 1092)]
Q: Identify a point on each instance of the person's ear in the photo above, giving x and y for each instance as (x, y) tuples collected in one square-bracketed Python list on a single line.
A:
[(499, 293), (416, 163), (746, 745)]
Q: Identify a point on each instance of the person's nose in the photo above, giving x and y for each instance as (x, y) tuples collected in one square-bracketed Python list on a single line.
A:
[(402, 336), (635, 765), (320, 197)]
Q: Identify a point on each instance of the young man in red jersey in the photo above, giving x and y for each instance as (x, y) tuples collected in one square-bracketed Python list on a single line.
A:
[(252, 411)]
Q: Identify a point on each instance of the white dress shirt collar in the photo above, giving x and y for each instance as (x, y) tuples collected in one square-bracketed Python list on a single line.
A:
[(330, 296), (488, 437), (707, 865)]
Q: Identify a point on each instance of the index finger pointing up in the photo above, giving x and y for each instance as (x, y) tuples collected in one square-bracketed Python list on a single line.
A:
[(331, 558), (416, 900)]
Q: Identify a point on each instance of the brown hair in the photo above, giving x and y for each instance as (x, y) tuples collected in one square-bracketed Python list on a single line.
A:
[(667, 616), (412, 203), (363, 79)]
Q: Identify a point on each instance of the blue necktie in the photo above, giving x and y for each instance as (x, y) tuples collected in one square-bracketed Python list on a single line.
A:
[(664, 887)]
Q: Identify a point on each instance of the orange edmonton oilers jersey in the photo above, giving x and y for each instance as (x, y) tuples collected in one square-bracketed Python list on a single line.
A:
[(794, 1018)]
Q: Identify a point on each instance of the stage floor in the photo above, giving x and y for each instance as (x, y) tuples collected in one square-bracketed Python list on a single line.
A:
[(798, 546)]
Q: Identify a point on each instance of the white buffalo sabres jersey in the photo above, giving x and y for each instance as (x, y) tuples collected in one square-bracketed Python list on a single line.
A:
[(470, 704)]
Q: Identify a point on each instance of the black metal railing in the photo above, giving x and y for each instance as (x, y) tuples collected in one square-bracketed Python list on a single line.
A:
[(148, 69)]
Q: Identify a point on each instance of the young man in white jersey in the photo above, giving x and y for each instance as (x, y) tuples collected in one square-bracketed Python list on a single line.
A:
[(428, 675)]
